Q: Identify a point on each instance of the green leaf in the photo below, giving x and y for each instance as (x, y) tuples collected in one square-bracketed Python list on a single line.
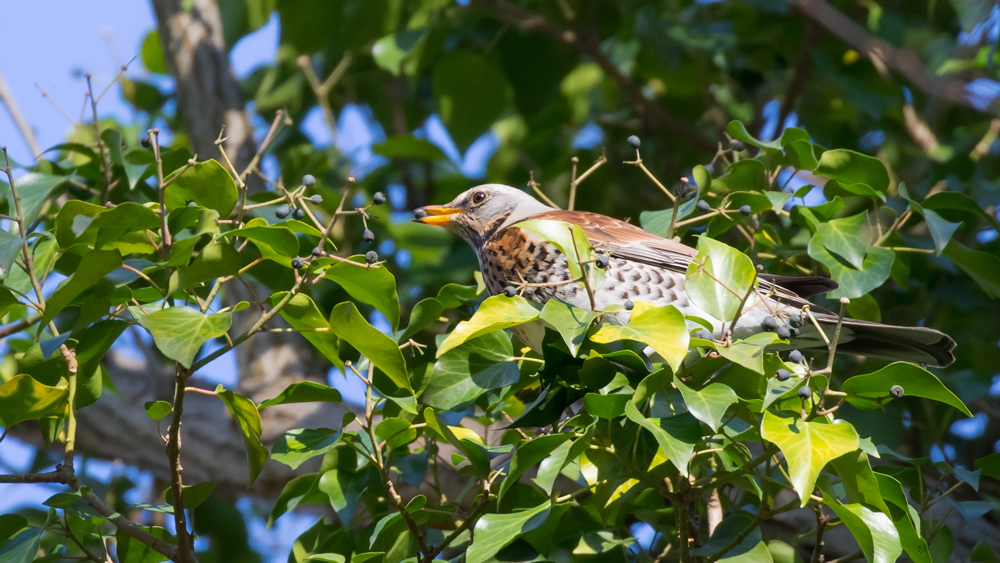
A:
[(469, 449), (23, 398), (749, 352), (801, 154), (746, 175), (158, 410), (915, 380), (566, 453), (710, 403), (299, 490), (808, 447), (850, 167), (662, 328), (739, 132), (395, 432), (941, 230), (465, 373), (349, 325), (849, 237), (33, 189), (528, 454), (751, 550), (408, 146), (93, 267), (295, 447), (905, 517), (131, 550), (152, 54), (571, 323), (873, 531), (494, 531), (495, 313), (302, 314), (193, 495), (676, 435), (216, 260), (470, 92), (24, 547), (981, 266), (10, 248), (718, 278), (112, 138), (853, 282), (374, 286), (606, 406), (10, 524), (399, 50), (277, 243), (304, 392), (248, 418), (180, 331), (971, 13), (658, 222), (207, 184)]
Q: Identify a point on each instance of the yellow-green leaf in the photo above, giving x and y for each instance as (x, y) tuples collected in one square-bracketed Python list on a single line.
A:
[(661, 328), (494, 313)]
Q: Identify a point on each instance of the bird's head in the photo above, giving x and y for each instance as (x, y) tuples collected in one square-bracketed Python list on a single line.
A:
[(478, 213)]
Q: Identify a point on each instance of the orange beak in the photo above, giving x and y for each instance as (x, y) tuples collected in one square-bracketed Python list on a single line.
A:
[(435, 215)]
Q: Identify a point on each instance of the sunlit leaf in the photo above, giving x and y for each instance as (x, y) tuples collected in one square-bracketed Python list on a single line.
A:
[(180, 331), (207, 184), (676, 435), (248, 419), (495, 313), (495, 531), (718, 278), (463, 374), (915, 381), (710, 403), (662, 328)]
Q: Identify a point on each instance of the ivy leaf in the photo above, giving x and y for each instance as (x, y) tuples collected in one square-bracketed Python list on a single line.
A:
[(304, 392), (158, 410), (295, 447), (495, 313), (274, 242), (93, 267), (180, 331), (302, 314), (661, 328), (906, 519), (528, 454), (718, 278), (808, 447), (193, 495), (849, 237), (941, 230), (248, 419), (495, 531), (676, 435), (915, 380), (853, 282), (739, 132), (570, 239), (33, 189), (874, 531), (608, 407), (751, 550), (981, 266), (710, 403), (10, 248), (395, 432), (851, 167), (349, 325), (570, 322), (23, 398), (374, 286), (749, 352), (207, 184), (464, 373)]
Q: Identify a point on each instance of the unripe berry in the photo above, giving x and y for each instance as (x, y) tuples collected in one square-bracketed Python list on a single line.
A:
[(769, 324), (633, 142), (317, 251), (782, 375), (795, 320), (896, 391), (419, 214), (316, 199), (299, 213), (368, 236), (308, 180), (510, 291), (146, 142), (371, 257), (739, 146), (784, 332), (282, 211), (601, 262), (378, 198), (629, 305), (805, 392), (795, 356), (745, 211), (298, 263), (703, 205)]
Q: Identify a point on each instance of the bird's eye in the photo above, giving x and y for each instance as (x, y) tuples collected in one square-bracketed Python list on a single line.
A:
[(479, 197)]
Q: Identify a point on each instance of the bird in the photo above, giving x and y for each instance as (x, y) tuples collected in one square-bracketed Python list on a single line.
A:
[(641, 266)]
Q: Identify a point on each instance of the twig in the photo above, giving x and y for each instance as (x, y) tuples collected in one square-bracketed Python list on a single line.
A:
[(15, 113), (185, 547), (575, 181)]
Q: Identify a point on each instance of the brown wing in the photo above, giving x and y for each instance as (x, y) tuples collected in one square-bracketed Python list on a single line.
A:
[(628, 242)]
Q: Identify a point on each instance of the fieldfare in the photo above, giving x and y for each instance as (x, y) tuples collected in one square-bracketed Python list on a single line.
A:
[(645, 267)]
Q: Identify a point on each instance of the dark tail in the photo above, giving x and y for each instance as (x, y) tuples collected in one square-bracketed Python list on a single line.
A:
[(920, 345)]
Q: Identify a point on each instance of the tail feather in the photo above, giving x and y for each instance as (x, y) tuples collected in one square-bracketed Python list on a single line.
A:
[(915, 344)]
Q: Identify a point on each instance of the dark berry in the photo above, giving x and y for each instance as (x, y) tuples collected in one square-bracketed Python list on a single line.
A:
[(308, 180), (703, 205), (602, 262), (371, 257), (368, 236), (769, 324), (419, 214), (378, 198), (298, 263), (739, 146), (317, 251), (795, 356), (510, 291), (782, 375), (633, 142), (896, 391), (629, 305), (282, 211), (146, 142), (784, 333), (795, 320), (805, 392), (299, 213), (745, 211), (793, 332), (316, 199)]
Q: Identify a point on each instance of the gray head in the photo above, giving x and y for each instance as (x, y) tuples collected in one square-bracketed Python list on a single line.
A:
[(478, 213)]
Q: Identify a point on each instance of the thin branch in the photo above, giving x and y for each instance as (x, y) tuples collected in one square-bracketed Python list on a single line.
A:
[(27, 133)]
